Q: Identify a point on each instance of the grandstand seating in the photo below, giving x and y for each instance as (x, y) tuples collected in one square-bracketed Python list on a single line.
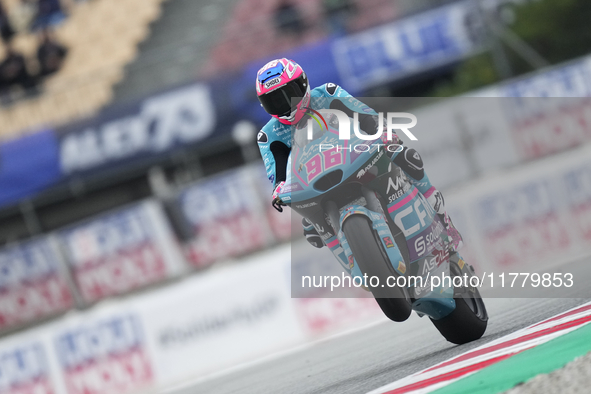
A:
[(235, 49), (102, 36)]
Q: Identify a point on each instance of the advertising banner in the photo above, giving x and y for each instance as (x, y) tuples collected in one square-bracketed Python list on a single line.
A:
[(408, 46), (27, 165), (24, 368), (224, 317), (566, 80), (32, 283), (548, 111), (103, 355), (96, 351), (121, 251), (226, 216), (577, 183), (284, 226), (534, 218), (541, 127), (155, 126), (522, 224)]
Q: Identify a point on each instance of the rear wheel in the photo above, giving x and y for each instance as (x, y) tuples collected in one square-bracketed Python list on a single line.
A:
[(373, 261), (468, 321)]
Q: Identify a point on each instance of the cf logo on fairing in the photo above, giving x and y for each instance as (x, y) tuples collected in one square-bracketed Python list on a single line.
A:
[(420, 213), (345, 125)]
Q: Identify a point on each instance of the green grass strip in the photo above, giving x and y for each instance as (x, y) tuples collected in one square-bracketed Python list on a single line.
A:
[(542, 359)]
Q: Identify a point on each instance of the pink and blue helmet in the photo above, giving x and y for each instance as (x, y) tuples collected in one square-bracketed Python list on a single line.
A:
[(280, 81)]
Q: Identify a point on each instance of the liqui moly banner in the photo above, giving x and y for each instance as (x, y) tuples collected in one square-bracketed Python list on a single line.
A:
[(32, 283), (541, 127), (538, 216), (577, 186), (104, 355), (24, 369), (523, 223), (548, 111), (226, 216), (121, 251)]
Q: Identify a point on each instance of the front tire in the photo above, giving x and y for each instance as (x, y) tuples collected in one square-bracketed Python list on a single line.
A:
[(373, 261), (468, 321)]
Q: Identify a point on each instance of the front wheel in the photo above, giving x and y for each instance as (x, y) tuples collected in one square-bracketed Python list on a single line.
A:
[(373, 261), (468, 320)]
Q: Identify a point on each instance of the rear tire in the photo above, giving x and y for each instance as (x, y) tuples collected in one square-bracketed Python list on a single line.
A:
[(373, 261), (468, 321)]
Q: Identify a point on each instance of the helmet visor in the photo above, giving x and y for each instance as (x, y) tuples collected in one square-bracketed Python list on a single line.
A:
[(278, 101)]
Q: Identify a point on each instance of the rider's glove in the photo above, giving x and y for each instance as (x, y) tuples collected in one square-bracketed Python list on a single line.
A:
[(278, 191), (277, 203), (396, 141)]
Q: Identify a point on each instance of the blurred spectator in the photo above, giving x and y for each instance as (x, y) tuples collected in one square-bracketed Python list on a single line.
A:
[(49, 13), (22, 15), (338, 13), (13, 71), (50, 54), (6, 30), (288, 18)]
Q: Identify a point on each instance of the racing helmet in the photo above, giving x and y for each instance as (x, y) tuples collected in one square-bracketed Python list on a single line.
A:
[(277, 83)]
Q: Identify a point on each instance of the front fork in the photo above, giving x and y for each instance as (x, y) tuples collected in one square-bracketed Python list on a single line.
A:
[(436, 303), (373, 213)]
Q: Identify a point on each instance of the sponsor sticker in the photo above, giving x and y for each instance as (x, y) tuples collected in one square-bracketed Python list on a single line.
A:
[(461, 263), (388, 242), (273, 82), (402, 267)]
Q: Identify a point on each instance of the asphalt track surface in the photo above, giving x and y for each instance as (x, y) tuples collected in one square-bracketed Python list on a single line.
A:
[(370, 358)]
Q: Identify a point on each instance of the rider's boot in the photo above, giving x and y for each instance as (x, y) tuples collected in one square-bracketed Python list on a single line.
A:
[(311, 234), (435, 199)]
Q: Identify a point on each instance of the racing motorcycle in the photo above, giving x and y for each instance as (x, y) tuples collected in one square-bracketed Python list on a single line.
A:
[(377, 224)]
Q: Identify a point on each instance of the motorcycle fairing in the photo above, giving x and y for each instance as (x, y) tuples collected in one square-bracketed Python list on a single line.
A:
[(407, 207)]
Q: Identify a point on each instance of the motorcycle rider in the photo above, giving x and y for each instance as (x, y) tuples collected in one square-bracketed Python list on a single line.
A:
[(280, 81)]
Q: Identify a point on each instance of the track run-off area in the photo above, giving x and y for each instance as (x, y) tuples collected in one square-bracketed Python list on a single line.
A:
[(388, 357)]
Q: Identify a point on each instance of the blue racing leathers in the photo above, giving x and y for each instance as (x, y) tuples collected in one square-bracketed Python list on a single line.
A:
[(274, 141)]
